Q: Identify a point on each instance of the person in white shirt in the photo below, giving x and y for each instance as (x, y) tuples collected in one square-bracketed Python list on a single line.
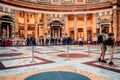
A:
[(80, 41)]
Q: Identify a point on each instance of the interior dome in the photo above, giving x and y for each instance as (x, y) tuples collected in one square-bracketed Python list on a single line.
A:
[(60, 5)]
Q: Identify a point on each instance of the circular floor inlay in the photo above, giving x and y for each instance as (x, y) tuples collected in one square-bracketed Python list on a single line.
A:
[(73, 55), (10, 54), (57, 75)]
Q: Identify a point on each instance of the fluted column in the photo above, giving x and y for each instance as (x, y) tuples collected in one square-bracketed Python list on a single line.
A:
[(110, 29), (36, 27), (85, 27), (25, 25), (119, 28), (94, 37), (13, 30), (75, 28), (8, 31), (66, 25), (45, 26), (115, 22), (16, 24)]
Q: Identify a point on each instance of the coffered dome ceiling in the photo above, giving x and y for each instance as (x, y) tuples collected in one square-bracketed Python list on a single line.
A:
[(60, 5)]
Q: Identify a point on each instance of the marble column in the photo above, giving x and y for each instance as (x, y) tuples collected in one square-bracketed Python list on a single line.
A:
[(16, 25), (119, 27), (8, 31), (13, 30), (45, 27), (115, 23), (75, 28), (110, 29), (25, 25), (66, 26), (36, 28), (94, 37), (85, 27)]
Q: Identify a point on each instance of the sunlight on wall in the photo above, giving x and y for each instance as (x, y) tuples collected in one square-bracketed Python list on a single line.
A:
[(80, 24), (21, 20), (32, 21)]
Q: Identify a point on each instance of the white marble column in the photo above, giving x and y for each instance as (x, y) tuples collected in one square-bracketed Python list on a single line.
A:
[(13, 30), (110, 29), (7, 31)]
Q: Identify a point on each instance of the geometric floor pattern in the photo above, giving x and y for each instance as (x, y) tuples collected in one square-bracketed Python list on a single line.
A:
[(80, 61), (58, 75), (22, 62)]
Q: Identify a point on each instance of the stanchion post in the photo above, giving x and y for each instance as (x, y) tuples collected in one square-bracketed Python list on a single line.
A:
[(88, 49), (32, 54), (67, 51)]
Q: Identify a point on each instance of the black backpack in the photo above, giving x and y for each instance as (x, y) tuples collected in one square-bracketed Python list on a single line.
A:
[(109, 42), (99, 39)]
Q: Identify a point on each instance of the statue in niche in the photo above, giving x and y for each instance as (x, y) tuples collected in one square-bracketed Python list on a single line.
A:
[(4, 32)]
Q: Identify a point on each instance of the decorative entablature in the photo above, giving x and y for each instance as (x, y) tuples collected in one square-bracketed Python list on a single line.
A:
[(6, 17), (59, 8), (56, 23)]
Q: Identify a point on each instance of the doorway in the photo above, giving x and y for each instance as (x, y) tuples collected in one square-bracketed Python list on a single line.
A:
[(56, 32), (106, 27), (6, 30), (6, 26)]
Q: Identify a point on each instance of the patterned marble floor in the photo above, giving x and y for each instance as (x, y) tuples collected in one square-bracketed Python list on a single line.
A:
[(18, 63)]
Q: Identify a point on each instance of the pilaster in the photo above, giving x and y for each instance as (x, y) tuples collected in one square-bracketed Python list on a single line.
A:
[(66, 25), (25, 25), (36, 27), (115, 22), (85, 27), (16, 24), (45, 27), (94, 37), (119, 27), (75, 28)]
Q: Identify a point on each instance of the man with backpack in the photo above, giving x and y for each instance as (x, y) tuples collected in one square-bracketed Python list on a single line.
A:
[(101, 41)]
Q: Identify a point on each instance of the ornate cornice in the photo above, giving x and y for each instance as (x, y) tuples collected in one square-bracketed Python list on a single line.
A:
[(59, 8)]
